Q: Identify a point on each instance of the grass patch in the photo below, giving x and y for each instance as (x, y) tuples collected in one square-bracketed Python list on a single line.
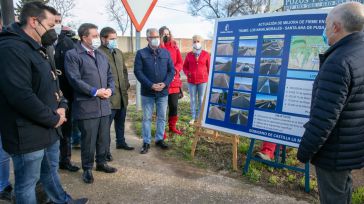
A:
[(217, 156), (358, 196)]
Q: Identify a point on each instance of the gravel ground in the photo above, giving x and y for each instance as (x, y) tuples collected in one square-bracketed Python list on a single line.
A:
[(152, 178)]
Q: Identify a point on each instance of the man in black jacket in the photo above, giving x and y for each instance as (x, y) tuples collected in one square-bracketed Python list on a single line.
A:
[(334, 136), (31, 105), (64, 44)]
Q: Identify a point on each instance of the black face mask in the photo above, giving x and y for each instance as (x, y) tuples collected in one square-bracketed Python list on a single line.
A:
[(49, 37), (165, 39)]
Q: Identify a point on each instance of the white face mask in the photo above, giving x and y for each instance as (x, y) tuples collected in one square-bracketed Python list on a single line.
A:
[(96, 43), (155, 42), (197, 46), (58, 28)]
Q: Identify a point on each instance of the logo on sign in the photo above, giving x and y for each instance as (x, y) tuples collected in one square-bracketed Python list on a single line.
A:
[(227, 29)]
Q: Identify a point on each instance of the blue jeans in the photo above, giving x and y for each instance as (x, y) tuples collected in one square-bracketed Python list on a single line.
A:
[(196, 89), (39, 165), (148, 107), (118, 116), (4, 168)]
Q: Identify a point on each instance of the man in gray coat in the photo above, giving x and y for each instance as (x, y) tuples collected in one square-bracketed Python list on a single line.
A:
[(89, 74)]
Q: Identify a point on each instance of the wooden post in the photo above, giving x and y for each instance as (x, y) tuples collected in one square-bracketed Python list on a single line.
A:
[(216, 136), (235, 152)]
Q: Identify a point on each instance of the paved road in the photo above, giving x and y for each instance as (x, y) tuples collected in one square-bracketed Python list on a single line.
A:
[(152, 178)]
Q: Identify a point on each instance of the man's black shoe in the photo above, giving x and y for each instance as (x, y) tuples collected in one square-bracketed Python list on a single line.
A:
[(161, 144), (6, 193), (87, 176), (109, 157), (69, 166), (124, 147), (105, 168), (145, 148), (78, 201)]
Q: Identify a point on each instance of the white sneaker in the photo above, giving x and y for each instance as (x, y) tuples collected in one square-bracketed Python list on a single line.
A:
[(263, 156), (192, 122)]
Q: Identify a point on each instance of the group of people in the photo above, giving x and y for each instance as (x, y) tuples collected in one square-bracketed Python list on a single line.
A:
[(50, 83), (53, 83)]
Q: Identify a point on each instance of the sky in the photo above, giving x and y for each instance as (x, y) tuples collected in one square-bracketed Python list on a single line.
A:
[(176, 17)]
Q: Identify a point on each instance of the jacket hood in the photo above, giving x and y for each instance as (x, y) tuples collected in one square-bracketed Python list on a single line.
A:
[(15, 32)]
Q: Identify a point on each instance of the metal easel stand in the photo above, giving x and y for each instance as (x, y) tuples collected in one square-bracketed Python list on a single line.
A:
[(276, 163)]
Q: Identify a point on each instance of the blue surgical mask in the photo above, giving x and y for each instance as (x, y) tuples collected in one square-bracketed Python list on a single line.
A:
[(112, 44), (324, 37)]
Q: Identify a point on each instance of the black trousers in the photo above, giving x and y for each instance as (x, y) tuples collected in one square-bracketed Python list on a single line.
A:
[(95, 136), (65, 140), (334, 186), (173, 104)]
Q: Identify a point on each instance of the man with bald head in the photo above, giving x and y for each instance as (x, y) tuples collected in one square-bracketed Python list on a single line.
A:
[(334, 137)]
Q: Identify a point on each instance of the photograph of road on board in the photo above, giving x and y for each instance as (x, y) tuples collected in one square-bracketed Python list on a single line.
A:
[(272, 47), (243, 83), (225, 48), (218, 96), (247, 47), (223, 64), (221, 80), (241, 100), (266, 102), (270, 66), (268, 85), (217, 112), (245, 65), (239, 117)]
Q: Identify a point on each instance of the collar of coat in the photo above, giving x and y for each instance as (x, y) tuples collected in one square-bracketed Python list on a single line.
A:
[(345, 40), (80, 49), (15, 31)]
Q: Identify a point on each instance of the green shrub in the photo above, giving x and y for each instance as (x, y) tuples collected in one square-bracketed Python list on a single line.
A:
[(358, 196)]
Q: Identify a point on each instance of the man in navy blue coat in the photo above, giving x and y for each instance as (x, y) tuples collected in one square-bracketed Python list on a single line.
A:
[(88, 72), (334, 136), (154, 69)]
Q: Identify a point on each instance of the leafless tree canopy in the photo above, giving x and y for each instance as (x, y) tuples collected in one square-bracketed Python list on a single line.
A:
[(117, 14), (63, 7), (211, 9)]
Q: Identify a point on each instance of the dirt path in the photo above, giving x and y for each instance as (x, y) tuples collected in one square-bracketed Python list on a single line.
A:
[(151, 179)]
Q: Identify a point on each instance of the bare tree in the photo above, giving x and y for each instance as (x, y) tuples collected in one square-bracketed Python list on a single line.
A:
[(118, 14), (63, 7), (211, 9)]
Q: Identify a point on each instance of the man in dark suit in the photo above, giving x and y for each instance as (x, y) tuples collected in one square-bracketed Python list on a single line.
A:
[(89, 73), (31, 105)]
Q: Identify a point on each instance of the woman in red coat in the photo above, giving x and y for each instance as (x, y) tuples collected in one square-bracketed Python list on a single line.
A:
[(196, 67), (174, 89)]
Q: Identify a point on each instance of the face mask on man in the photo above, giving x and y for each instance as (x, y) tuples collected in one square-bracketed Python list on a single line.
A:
[(58, 28), (112, 44), (96, 42), (324, 37), (49, 37), (155, 42)]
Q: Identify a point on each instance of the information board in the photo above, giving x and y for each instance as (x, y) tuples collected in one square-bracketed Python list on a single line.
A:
[(262, 73), (312, 4)]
